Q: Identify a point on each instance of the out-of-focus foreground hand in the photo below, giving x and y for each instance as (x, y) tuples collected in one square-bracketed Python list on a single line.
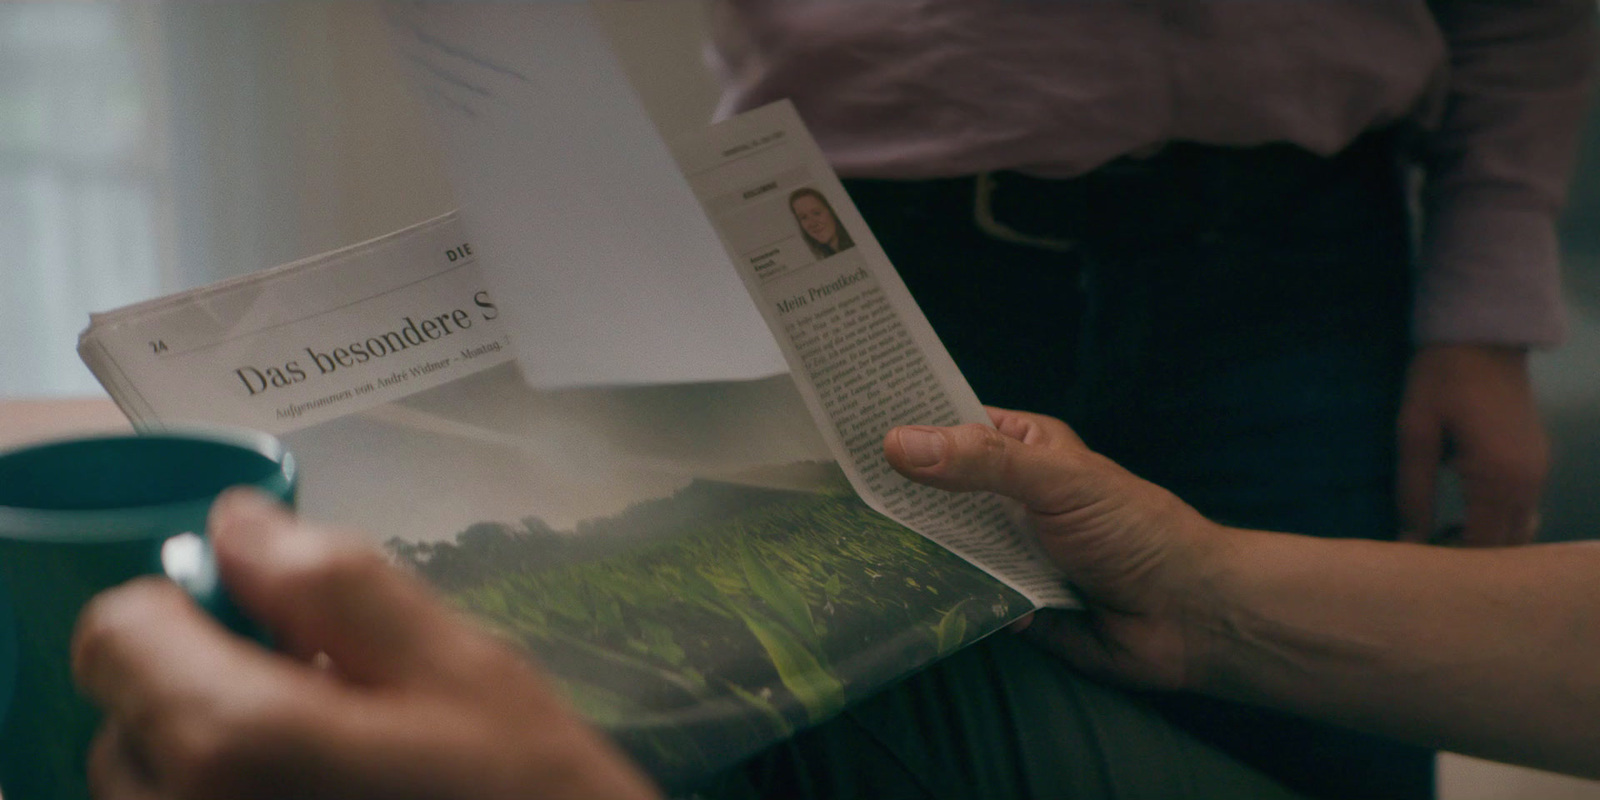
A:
[(1471, 407), (410, 702), (1138, 556)]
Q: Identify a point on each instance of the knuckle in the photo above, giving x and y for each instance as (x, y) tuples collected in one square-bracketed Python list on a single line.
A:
[(993, 450), (108, 620), (974, 450), (1057, 429), (987, 441)]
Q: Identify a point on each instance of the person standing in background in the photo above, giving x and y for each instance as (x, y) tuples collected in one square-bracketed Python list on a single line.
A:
[(1186, 227)]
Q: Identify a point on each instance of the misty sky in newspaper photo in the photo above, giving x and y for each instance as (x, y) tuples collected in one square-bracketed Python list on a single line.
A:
[(488, 448)]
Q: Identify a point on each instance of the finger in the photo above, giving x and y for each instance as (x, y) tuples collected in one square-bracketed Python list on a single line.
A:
[(1421, 448), (1503, 479), (1501, 515), (190, 701), (319, 594), (140, 643), (1030, 428), (981, 458), (200, 713), (115, 771)]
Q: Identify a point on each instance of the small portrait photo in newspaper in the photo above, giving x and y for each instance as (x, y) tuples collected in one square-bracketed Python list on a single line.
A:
[(819, 225)]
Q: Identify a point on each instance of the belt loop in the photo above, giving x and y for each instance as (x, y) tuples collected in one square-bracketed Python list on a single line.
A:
[(983, 217)]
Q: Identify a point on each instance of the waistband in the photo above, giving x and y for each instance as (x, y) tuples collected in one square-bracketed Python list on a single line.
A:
[(1191, 190), (1186, 190)]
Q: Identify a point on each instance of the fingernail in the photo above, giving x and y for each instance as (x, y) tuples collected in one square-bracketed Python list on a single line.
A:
[(923, 448)]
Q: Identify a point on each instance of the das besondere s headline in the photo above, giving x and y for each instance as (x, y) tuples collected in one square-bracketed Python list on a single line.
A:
[(409, 332)]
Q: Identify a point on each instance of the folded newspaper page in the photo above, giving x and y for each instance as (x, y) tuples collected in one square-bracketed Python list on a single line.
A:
[(863, 356), (559, 172), (692, 560)]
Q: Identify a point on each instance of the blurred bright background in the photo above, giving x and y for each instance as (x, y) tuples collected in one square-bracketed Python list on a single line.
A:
[(147, 148)]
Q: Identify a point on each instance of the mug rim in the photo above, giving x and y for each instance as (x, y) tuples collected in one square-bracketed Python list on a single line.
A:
[(21, 523)]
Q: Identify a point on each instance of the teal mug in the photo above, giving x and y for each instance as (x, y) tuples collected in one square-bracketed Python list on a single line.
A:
[(79, 516)]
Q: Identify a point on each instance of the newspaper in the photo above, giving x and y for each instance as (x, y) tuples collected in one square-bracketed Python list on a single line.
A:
[(863, 355), (707, 566), (546, 144)]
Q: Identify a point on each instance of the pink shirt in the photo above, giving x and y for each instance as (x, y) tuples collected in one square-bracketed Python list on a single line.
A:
[(938, 88)]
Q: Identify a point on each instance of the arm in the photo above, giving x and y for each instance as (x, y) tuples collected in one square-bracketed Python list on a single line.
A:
[(1489, 652), (1486, 653), (414, 703), (1497, 169)]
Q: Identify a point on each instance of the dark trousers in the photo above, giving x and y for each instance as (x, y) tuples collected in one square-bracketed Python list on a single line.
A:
[(1230, 324)]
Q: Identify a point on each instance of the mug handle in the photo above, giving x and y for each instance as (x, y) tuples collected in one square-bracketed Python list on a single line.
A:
[(188, 560)]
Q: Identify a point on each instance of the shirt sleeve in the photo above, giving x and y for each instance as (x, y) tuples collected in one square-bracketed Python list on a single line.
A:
[(1497, 169)]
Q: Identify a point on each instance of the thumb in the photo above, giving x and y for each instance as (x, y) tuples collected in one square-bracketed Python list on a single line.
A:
[(320, 595), (975, 457)]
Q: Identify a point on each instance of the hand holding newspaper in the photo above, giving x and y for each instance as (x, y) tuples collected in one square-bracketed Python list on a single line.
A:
[(708, 563)]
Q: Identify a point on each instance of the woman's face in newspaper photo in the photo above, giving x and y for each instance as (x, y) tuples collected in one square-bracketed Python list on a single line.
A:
[(815, 218)]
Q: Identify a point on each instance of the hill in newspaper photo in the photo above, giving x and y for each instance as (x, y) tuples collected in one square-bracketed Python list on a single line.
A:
[(687, 559)]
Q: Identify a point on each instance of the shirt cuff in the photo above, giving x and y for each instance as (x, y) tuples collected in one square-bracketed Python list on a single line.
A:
[(1490, 275)]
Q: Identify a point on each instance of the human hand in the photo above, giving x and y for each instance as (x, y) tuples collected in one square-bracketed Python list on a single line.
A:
[(1138, 555), (1471, 407), (379, 691)]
